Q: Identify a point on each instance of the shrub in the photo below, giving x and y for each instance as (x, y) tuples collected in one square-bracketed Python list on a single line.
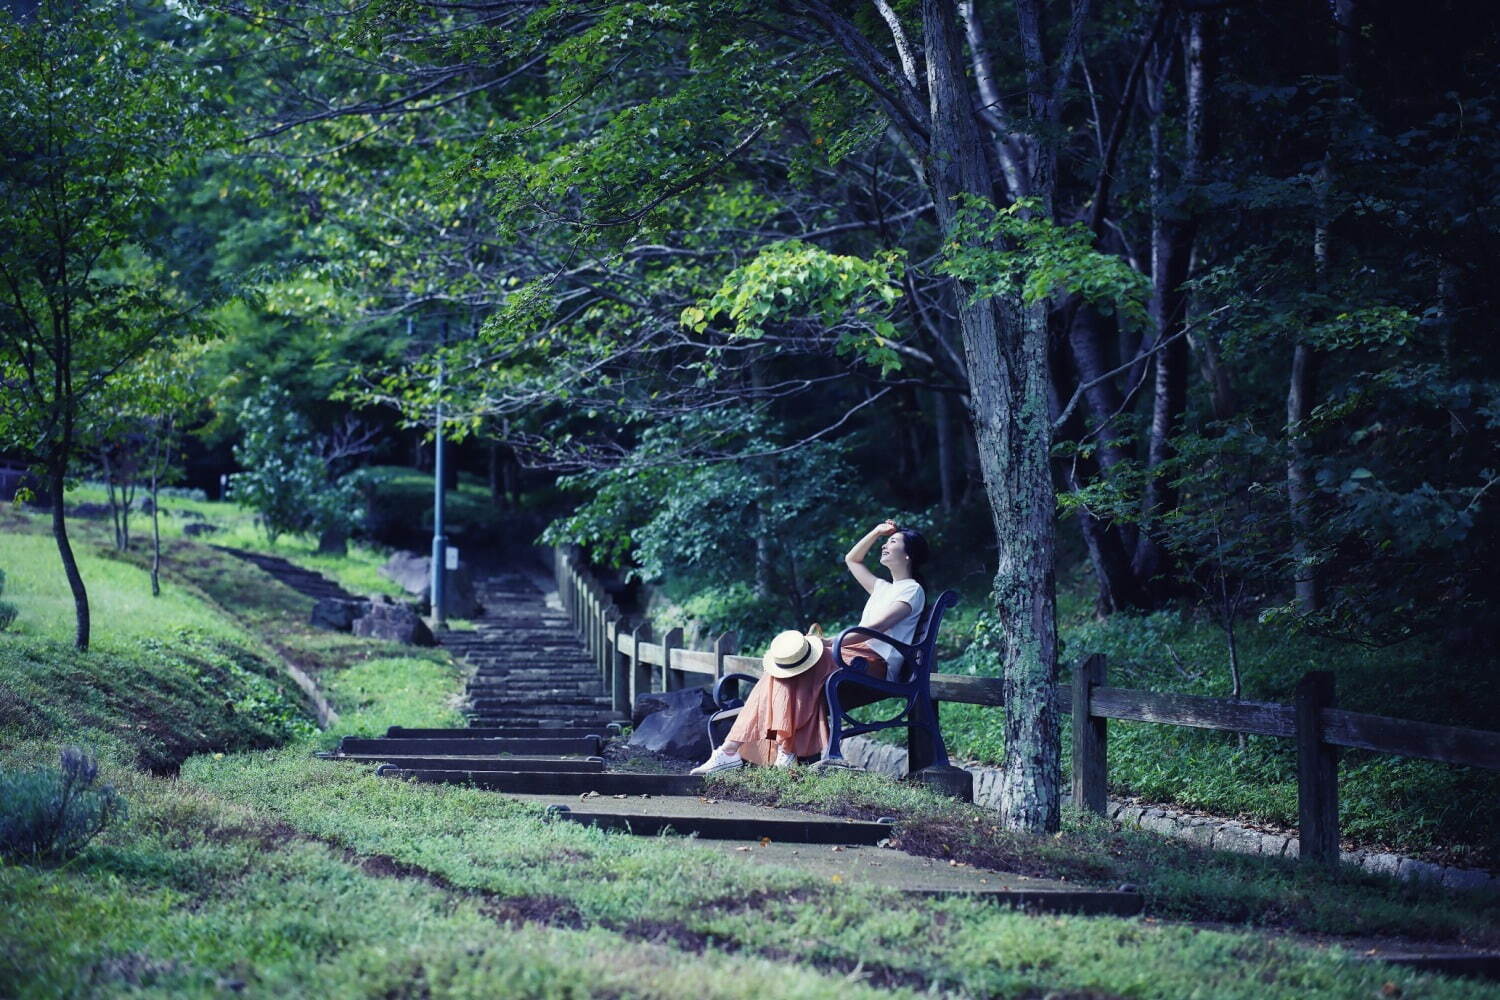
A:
[(49, 815), (7, 610), (289, 477)]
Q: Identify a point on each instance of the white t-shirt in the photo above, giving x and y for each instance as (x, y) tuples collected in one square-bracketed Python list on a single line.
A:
[(878, 606)]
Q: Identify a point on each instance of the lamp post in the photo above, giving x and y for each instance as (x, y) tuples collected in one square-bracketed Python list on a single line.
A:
[(438, 588)]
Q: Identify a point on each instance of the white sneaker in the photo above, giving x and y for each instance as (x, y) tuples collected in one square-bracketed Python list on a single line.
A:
[(719, 761), (785, 759)]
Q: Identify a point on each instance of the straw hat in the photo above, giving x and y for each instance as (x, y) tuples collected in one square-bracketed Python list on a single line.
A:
[(791, 653)]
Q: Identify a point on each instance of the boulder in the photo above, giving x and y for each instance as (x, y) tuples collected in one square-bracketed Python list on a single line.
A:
[(673, 723), (413, 574), (337, 613), (393, 622), (198, 528)]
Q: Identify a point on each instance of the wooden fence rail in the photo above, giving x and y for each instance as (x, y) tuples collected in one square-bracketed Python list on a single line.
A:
[(632, 662)]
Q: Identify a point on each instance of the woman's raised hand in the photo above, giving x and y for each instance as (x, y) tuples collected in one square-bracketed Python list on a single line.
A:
[(886, 527)]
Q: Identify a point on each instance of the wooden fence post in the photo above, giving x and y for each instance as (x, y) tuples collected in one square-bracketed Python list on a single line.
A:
[(1317, 771), (607, 658), (619, 674), (725, 645), (1090, 739), (671, 679), (640, 672), (596, 618)]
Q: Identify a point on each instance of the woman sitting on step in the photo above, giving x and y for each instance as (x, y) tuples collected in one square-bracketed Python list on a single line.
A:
[(786, 715)]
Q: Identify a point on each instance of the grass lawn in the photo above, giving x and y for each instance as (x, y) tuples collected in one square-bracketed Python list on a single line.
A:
[(261, 870)]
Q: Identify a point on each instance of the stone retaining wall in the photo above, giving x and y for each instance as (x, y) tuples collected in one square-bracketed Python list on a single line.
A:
[(1221, 834)]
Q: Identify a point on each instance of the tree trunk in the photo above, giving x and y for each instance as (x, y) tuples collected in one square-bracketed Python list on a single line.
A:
[(497, 481), (1299, 493), (57, 470), (943, 419), (111, 496), (1174, 231), (1005, 343), (155, 533)]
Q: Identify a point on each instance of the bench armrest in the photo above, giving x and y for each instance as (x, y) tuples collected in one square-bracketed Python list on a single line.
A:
[(908, 651), (719, 685)]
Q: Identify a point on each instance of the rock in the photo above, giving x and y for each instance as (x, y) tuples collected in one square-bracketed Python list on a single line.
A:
[(1273, 845), (1466, 878), (1419, 871), (674, 723), (337, 614), (1234, 837), (1381, 864), (413, 574), (394, 623), (198, 528)]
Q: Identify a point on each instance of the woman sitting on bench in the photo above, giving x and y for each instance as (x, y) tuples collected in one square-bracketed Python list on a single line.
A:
[(786, 715)]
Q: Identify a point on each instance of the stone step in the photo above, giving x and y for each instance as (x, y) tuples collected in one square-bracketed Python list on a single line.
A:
[(546, 765), (598, 724), (501, 733), (483, 702), (607, 783), (531, 705), (468, 746), (648, 818)]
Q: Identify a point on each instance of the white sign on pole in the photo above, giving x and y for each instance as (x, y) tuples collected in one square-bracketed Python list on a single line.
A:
[(452, 561)]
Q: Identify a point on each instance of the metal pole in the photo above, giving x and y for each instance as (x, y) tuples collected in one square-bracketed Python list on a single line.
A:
[(438, 589)]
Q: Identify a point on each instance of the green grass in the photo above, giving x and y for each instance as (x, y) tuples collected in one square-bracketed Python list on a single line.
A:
[(272, 873), (358, 572), (120, 602), (164, 677), (1179, 880)]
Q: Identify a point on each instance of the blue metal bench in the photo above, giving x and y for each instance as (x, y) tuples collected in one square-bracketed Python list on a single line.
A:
[(849, 687)]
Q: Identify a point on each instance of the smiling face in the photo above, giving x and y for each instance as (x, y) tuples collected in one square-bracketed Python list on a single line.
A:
[(893, 552)]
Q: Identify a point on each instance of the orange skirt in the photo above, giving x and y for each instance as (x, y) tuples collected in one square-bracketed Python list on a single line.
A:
[(793, 712)]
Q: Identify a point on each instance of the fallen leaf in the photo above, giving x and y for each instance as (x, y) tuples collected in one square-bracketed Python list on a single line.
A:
[(839, 847), (765, 842), (952, 863), (742, 848), (1390, 990), (837, 879), (622, 796), (589, 795)]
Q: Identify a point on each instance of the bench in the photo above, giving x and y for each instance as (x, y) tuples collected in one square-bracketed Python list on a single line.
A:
[(849, 687)]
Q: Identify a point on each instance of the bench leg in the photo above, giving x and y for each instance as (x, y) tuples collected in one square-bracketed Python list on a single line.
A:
[(927, 757), (835, 749)]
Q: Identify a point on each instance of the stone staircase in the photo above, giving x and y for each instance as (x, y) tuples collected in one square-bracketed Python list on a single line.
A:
[(538, 720), (303, 581)]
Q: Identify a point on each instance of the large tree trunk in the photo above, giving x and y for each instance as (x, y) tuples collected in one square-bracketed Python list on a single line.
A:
[(57, 470), (1005, 344)]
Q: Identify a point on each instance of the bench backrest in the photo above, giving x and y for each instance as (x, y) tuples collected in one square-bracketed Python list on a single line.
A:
[(928, 624)]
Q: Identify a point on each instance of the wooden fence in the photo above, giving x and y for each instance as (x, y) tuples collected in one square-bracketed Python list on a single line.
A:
[(632, 661)]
